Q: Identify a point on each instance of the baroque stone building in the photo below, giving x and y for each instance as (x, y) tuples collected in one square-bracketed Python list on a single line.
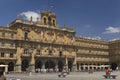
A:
[(27, 45)]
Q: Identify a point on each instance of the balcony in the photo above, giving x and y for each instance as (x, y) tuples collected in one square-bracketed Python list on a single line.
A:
[(93, 59)]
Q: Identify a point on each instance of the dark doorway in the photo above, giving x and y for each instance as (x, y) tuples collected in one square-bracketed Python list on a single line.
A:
[(78, 66), (25, 65), (60, 65), (49, 64), (11, 66), (2, 68), (38, 64), (70, 64), (113, 66)]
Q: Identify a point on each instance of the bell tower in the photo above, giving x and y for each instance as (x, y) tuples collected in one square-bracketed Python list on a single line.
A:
[(48, 18)]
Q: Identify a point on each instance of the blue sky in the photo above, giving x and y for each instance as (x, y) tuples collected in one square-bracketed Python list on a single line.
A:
[(91, 18)]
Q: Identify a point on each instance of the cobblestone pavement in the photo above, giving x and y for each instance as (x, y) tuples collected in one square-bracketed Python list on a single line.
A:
[(54, 76)]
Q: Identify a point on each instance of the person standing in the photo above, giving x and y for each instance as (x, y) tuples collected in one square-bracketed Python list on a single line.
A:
[(107, 72)]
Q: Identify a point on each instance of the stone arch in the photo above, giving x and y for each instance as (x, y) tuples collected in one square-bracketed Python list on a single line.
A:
[(49, 64), (10, 66), (25, 65), (60, 65)]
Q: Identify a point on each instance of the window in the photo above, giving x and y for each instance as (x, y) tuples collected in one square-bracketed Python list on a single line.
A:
[(53, 22), (11, 45), (26, 51), (3, 35), (3, 44), (38, 52), (12, 35), (2, 54), (49, 21), (26, 36), (11, 55), (45, 21), (60, 53), (50, 52)]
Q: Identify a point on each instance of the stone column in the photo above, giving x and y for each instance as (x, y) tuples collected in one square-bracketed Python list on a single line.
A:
[(80, 67), (32, 63), (66, 63), (18, 62), (6, 68), (18, 65), (74, 63), (43, 66)]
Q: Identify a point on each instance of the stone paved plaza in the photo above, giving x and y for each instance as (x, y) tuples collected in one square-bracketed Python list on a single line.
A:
[(54, 76)]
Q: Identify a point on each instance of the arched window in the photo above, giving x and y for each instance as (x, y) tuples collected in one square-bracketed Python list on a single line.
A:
[(26, 35), (49, 21), (45, 23), (53, 22)]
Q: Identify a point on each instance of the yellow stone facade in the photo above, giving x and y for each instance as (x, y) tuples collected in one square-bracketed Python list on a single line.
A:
[(27, 45)]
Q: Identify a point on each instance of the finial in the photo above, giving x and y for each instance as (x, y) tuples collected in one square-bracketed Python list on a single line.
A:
[(31, 19), (72, 27), (37, 20), (64, 26)]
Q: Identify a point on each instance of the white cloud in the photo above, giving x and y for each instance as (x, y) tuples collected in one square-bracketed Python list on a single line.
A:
[(28, 15), (111, 29)]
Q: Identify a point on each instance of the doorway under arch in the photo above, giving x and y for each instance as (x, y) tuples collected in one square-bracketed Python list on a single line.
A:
[(10, 66), (60, 65), (70, 64), (49, 64), (113, 66), (25, 65)]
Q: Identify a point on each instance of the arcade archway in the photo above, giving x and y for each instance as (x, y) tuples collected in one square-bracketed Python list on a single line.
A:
[(70, 64), (49, 64), (113, 66), (38, 64), (10, 66), (60, 65), (2, 68), (25, 65)]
